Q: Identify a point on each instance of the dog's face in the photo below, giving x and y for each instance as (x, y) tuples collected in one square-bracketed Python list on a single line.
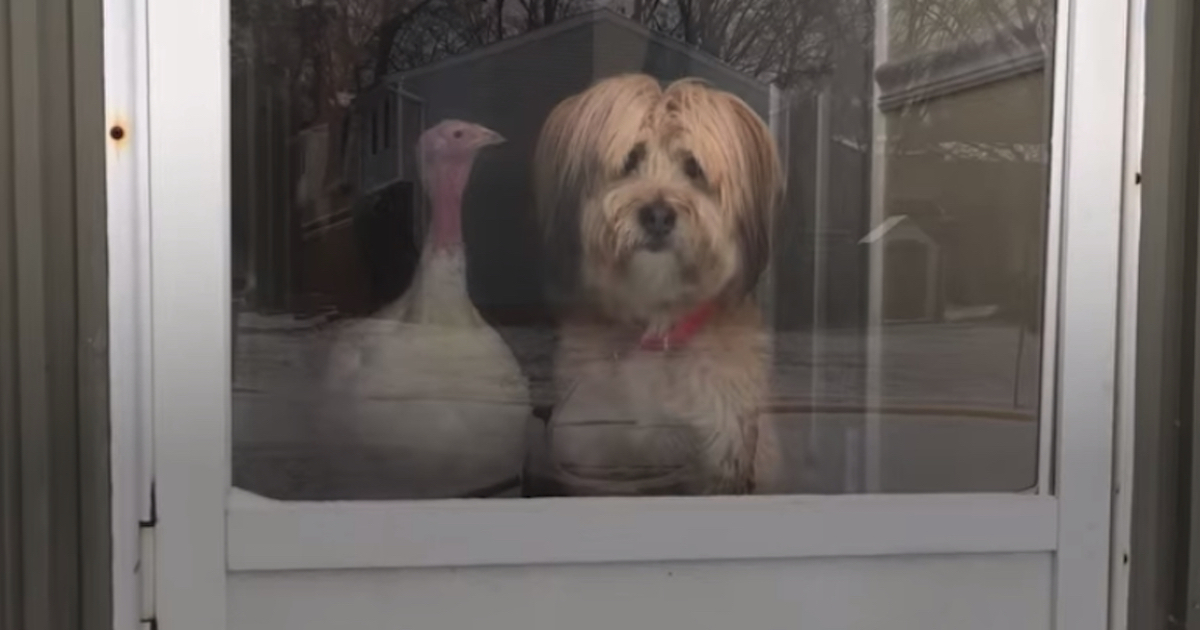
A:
[(655, 200)]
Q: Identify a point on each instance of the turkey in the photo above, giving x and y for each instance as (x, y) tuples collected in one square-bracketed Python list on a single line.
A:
[(425, 379)]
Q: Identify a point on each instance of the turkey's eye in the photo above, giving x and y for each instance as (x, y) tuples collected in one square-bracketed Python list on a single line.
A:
[(634, 159), (692, 169), (458, 133)]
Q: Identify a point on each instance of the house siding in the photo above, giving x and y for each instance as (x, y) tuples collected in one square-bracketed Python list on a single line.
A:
[(54, 499)]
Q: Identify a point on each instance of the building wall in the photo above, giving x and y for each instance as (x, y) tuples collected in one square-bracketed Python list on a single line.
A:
[(965, 96), (266, 221), (971, 168), (820, 267), (54, 492)]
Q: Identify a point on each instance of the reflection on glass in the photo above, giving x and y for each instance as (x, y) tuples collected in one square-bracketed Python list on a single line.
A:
[(545, 247)]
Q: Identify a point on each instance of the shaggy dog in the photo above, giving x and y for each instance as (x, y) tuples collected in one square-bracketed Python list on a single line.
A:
[(656, 204)]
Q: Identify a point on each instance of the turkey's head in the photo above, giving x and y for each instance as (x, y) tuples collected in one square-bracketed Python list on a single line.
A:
[(447, 152), (453, 143)]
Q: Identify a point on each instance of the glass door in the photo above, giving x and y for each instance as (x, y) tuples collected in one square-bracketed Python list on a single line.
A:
[(457, 304)]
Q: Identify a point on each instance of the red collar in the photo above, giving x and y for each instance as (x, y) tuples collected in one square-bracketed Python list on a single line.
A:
[(682, 331)]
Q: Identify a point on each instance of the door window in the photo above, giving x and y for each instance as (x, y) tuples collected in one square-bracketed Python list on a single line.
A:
[(843, 232)]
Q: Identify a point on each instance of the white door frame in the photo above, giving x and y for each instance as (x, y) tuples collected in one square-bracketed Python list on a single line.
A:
[(129, 305), (168, 81)]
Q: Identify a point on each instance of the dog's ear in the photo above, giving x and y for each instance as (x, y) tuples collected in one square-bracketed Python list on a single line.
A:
[(756, 249), (584, 140), (762, 193)]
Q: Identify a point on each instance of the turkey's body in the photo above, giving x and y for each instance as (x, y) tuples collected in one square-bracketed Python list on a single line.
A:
[(428, 382)]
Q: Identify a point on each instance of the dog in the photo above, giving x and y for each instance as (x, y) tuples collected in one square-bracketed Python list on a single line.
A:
[(655, 203)]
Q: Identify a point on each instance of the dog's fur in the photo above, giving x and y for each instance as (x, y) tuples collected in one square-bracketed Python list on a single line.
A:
[(605, 154)]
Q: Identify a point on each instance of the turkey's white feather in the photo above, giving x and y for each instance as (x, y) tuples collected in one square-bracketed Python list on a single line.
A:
[(427, 378)]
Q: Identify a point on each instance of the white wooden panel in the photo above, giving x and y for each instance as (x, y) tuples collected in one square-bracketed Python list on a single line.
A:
[(1127, 345), (188, 107), (1007, 592), (128, 189), (1093, 66), (276, 535)]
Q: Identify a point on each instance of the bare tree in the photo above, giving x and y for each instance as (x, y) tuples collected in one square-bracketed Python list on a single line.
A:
[(775, 40), (438, 29), (325, 44), (919, 25), (313, 50)]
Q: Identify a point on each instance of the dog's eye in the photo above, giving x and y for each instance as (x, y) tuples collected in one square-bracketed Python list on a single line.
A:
[(634, 159), (692, 169)]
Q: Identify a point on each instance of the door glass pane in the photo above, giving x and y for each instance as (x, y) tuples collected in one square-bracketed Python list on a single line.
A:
[(511, 248)]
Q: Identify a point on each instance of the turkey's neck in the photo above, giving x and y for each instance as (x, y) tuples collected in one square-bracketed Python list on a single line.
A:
[(447, 183)]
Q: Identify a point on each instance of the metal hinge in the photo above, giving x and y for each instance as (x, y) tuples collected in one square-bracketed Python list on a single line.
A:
[(146, 563)]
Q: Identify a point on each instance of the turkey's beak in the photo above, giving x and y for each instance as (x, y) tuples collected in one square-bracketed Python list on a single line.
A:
[(490, 138)]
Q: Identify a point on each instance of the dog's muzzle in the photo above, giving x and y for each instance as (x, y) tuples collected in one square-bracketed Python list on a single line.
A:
[(657, 221)]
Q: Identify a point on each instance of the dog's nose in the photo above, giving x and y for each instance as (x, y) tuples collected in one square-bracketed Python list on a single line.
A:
[(657, 219)]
